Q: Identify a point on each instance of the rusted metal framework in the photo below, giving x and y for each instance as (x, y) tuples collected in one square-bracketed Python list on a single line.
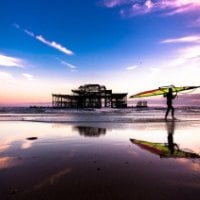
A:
[(141, 104), (90, 96)]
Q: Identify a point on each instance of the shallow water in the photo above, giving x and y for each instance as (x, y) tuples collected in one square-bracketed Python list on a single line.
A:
[(97, 160), (107, 115)]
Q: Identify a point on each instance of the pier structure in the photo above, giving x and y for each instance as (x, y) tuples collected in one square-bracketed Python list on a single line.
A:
[(90, 96), (141, 104)]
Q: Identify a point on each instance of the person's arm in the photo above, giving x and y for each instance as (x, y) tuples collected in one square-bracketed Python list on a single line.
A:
[(174, 96), (176, 146)]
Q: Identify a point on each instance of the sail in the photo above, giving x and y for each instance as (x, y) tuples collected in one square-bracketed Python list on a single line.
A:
[(164, 150), (161, 91)]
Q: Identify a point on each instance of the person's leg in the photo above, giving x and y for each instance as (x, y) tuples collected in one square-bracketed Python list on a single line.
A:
[(172, 112), (167, 112)]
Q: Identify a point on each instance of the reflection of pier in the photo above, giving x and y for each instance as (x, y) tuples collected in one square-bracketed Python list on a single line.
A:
[(90, 131), (90, 96)]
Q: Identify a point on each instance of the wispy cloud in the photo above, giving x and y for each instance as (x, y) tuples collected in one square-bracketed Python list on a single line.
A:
[(68, 64), (16, 26), (188, 54), (168, 7), (195, 23), (187, 39), (29, 33), (42, 39), (72, 68), (180, 6), (54, 44), (114, 3), (131, 67), (28, 76), (8, 61)]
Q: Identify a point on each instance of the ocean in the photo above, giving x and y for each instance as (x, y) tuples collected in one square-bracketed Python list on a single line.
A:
[(127, 115), (128, 153)]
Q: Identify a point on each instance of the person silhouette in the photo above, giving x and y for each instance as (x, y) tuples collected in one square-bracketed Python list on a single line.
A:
[(169, 95), (170, 130)]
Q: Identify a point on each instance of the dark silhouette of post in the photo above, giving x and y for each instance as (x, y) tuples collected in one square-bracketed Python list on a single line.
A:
[(169, 95)]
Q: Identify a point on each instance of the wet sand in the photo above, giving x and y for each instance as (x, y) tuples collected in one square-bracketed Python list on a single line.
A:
[(90, 160)]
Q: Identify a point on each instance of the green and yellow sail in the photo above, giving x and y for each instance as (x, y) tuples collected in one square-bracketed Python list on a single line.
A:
[(162, 91)]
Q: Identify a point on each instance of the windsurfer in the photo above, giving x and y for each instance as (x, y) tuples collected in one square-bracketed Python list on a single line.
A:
[(169, 95)]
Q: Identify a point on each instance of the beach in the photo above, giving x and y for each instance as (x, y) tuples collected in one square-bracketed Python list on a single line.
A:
[(98, 154), (100, 100)]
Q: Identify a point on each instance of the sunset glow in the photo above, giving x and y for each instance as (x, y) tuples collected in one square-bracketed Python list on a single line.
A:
[(127, 45)]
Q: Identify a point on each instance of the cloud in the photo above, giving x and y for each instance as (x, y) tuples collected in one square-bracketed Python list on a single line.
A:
[(68, 64), (74, 70), (168, 7), (180, 6), (114, 3), (189, 54), (54, 45), (187, 39), (29, 33), (131, 67), (7, 61), (16, 26), (40, 38), (195, 23), (28, 76)]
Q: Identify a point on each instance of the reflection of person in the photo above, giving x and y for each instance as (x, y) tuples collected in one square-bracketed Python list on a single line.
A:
[(170, 130), (170, 98)]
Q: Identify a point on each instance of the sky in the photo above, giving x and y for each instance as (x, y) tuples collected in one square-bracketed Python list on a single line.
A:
[(127, 45)]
